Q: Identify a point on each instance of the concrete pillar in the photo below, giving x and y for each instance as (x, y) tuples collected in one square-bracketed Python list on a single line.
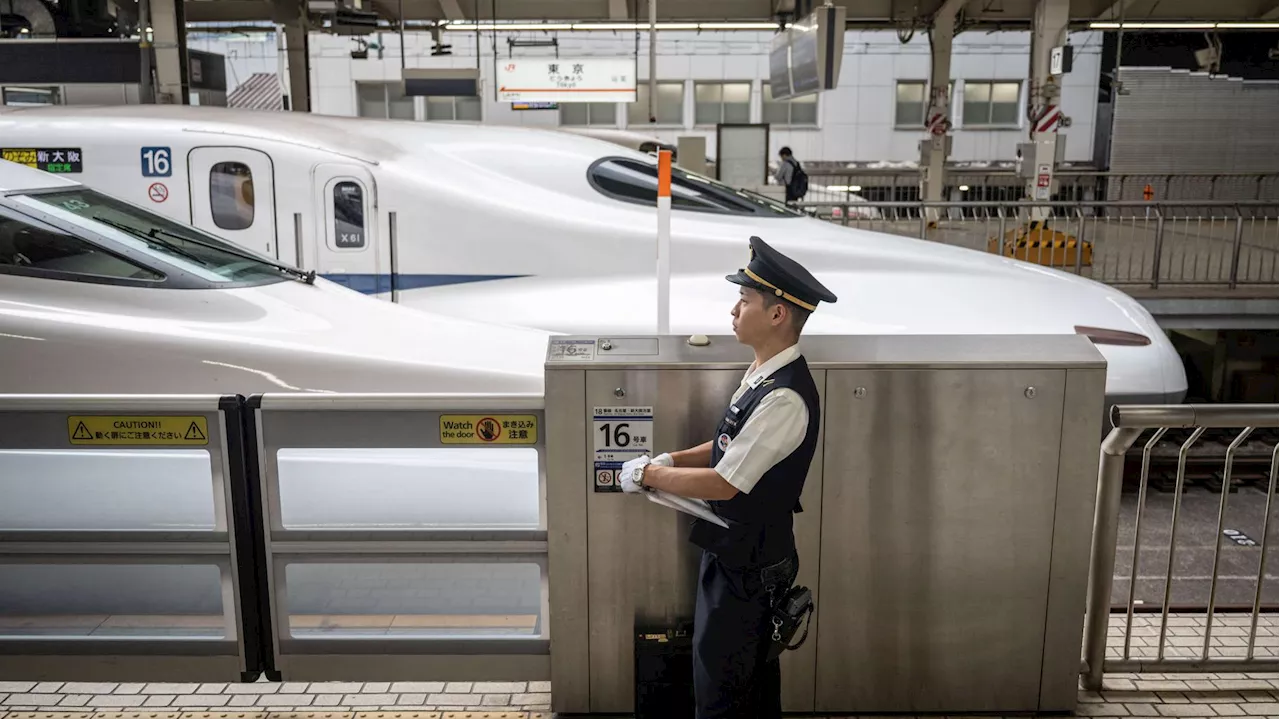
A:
[(1044, 92), (937, 118), (169, 28), (299, 63), (292, 46)]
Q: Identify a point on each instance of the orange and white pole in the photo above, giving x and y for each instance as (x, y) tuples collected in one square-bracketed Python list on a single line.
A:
[(664, 242)]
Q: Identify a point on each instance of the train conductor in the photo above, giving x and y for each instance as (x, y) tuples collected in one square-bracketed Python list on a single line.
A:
[(751, 475)]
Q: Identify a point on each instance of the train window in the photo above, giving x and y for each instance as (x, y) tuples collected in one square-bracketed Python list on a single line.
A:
[(633, 181), (24, 245), (348, 216), (231, 195)]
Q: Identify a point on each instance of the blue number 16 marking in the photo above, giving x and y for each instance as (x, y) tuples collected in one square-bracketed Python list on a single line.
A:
[(155, 162)]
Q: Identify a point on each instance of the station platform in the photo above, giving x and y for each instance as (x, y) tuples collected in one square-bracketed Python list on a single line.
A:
[(1123, 695), (1138, 695)]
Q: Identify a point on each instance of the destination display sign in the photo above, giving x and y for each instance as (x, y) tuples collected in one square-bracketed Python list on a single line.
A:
[(61, 160)]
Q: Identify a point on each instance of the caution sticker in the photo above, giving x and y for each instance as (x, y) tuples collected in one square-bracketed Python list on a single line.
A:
[(151, 430), (488, 429)]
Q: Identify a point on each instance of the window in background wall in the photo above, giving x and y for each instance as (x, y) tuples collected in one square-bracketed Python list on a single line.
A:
[(453, 108), (589, 113), (910, 104), (384, 100), (25, 96), (802, 111), (670, 104), (991, 104), (716, 102)]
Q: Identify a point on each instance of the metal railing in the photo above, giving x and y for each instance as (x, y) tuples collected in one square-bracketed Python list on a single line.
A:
[(1003, 185), (378, 561), (87, 566), (1131, 422), (1222, 244)]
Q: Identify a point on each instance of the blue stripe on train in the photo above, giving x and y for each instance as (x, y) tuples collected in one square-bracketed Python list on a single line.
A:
[(371, 284)]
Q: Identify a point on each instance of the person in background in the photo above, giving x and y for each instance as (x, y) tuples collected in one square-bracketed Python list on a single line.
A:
[(791, 176)]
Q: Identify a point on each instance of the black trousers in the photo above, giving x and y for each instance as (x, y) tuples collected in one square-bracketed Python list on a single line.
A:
[(731, 676)]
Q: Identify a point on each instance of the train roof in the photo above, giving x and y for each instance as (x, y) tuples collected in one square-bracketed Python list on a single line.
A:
[(21, 178), (345, 135)]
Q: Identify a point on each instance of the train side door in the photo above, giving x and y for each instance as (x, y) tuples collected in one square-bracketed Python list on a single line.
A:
[(348, 246), (233, 196)]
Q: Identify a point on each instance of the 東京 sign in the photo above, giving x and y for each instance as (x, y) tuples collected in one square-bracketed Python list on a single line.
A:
[(555, 80)]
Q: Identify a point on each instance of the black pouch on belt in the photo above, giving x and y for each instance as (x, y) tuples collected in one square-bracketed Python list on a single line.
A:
[(785, 615)]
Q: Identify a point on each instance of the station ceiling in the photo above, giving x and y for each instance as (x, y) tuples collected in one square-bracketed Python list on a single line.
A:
[(880, 14)]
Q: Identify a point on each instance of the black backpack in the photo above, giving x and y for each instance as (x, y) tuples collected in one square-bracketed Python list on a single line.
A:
[(799, 185)]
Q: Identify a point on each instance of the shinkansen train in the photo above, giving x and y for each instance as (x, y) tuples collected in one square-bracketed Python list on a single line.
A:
[(100, 295), (526, 230)]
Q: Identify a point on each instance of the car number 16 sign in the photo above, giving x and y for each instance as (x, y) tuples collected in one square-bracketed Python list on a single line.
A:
[(620, 435)]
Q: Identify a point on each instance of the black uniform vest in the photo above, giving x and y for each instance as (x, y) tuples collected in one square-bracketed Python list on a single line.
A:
[(760, 529)]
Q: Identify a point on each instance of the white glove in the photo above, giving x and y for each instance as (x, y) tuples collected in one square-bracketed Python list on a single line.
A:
[(664, 460), (630, 470)]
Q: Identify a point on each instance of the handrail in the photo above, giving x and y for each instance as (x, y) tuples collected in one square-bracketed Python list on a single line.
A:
[(405, 401), (1012, 172), (1129, 423), (913, 204), (112, 402), (1209, 416)]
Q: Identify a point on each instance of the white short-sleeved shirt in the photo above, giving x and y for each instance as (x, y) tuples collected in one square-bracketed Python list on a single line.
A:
[(774, 430)]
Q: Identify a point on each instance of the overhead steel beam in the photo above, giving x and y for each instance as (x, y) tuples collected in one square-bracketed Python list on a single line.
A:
[(618, 10), (949, 8), (451, 10), (1116, 10), (1271, 14)]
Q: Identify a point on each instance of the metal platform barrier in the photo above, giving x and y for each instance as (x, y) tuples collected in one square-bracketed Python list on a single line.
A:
[(1130, 423), (385, 556), (96, 585)]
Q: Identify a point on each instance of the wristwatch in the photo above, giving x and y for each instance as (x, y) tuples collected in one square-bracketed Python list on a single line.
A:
[(637, 477)]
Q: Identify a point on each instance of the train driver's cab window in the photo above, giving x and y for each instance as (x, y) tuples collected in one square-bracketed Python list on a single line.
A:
[(231, 195), (636, 182), (348, 216), (24, 245), (199, 256)]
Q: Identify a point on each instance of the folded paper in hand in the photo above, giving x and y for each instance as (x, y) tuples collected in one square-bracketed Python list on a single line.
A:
[(696, 507)]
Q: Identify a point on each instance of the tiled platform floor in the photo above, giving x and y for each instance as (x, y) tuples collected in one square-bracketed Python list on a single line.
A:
[(1124, 695)]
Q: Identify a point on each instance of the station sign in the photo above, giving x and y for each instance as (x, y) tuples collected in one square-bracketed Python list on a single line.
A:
[(60, 160), (556, 80)]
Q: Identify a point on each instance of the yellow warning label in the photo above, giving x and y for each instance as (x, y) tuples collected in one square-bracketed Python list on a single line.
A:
[(488, 429), (113, 430)]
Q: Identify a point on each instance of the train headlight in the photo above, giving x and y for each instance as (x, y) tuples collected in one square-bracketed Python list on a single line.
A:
[(1103, 336)]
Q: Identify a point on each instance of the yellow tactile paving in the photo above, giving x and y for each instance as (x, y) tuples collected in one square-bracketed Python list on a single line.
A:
[(327, 715), (138, 714), (86, 714), (398, 715), (250, 714)]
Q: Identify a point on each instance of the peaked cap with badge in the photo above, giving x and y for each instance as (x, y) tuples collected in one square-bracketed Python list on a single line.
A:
[(773, 273)]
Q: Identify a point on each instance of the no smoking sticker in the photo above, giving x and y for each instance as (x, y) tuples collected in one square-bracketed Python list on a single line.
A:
[(158, 192)]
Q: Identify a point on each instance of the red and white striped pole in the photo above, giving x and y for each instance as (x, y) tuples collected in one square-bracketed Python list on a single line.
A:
[(664, 242)]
